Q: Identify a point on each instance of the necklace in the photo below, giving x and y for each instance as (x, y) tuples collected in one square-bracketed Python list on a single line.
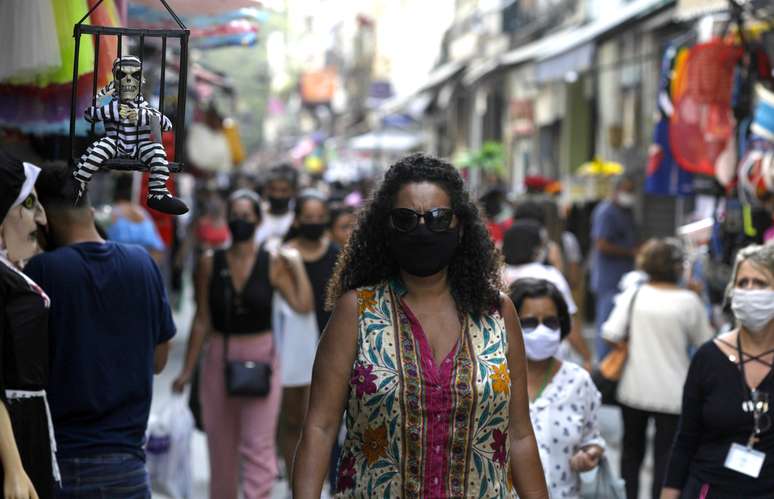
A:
[(545, 379)]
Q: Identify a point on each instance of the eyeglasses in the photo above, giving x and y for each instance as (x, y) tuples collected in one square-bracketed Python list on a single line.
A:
[(436, 220), (530, 323)]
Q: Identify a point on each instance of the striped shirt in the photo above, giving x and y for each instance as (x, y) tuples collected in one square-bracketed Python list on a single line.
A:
[(125, 132)]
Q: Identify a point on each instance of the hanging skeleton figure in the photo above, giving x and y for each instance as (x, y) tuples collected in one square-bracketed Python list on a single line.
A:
[(127, 119)]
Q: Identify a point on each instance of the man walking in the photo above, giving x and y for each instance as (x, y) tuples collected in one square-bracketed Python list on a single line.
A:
[(109, 327), (615, 245)]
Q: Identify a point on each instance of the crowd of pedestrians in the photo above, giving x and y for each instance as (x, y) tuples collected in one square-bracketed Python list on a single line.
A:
[(408, 342)]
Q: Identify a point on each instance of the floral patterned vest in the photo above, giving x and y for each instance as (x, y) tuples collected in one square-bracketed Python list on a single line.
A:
[(385, 453)]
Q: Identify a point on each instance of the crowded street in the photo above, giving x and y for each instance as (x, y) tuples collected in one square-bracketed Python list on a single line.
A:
[(389, 249)]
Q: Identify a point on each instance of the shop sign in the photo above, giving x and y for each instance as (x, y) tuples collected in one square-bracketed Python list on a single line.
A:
[(318, 87), (522, 117)]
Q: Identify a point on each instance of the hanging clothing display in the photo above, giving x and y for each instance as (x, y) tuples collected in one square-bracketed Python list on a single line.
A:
[(703, 120), (40, 101), (29, 39)]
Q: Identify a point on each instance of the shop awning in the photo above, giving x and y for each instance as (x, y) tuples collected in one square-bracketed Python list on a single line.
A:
[(442, 74), (416, 103), (571, 49), (386, 140), (691, 9), (200, 7)]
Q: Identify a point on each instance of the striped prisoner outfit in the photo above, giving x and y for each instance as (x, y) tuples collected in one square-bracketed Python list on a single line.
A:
[(127, 139)]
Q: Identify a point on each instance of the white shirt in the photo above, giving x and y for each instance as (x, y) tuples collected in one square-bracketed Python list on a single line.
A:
[(537, 270), (565, 420), (272, 229), (665, 323)]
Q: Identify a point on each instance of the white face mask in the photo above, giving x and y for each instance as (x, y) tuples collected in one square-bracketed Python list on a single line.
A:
[(626, 199), (542, 342), (754, 308)]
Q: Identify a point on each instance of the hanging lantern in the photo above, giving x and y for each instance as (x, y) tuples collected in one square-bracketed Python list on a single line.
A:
[(128, 118)]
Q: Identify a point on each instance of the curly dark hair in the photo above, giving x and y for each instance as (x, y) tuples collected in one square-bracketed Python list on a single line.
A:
[(474, 273)]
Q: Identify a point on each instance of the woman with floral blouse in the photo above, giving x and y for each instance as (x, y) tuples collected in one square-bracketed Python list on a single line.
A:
[(563, 399), (424, 354)]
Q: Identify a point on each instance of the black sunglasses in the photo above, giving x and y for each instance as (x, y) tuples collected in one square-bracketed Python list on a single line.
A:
[(436, 220), (530, 323)]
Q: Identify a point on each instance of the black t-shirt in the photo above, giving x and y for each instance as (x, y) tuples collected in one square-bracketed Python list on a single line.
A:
[(109, 311), (713, 419), (320, 272), (23, 333)]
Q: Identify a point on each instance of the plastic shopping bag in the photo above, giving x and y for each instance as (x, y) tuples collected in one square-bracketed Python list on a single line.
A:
[(168, 448), (602, 483), (296, 337)]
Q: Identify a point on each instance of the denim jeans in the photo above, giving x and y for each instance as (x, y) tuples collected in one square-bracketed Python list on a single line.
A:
[(107, 476)]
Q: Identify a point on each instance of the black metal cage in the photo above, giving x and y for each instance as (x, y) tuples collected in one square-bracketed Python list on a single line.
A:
[(129, 164)]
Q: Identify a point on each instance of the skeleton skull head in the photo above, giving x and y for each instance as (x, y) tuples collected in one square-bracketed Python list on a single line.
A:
[(127, 74)]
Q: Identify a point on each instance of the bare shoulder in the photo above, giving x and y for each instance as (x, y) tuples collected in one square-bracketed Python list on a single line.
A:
[(507, 309), (342, 326), (347, 305)]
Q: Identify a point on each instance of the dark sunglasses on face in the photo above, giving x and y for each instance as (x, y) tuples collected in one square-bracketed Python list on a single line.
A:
[(436, 220), (530, 323)]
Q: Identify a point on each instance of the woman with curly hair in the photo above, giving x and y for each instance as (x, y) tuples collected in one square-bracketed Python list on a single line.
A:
[(423, 352)]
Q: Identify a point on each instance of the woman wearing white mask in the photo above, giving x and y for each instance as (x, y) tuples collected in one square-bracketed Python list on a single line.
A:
[(725, 443), (563, 400), (663, 321)]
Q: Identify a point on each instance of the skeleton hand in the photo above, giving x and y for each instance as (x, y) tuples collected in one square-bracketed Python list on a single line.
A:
[(128, 113)]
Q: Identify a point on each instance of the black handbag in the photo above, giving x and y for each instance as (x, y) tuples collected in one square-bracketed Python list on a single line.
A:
[(244, 378)]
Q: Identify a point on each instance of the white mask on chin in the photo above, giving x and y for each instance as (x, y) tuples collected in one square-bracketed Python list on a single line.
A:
[(542, 342), (626, 199)]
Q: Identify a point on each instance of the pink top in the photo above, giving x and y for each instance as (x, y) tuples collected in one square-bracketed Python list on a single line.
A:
[(438, 407)]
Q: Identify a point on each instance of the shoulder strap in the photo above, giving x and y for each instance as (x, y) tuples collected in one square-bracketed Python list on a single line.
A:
[(221, 267), (628, 330)]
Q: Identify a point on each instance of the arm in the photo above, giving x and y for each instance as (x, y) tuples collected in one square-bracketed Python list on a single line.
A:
[(555, 256), (201, 323), (17, 484), (330, 385), (100, 113), (578, 343), (288, 275), (528, 477), (592, 446), (607, 248), (160, 356), (689, 431)]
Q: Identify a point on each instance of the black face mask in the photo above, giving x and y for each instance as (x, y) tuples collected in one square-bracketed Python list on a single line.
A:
[(422, 252), (278, 205), (312, 232), (241, 229)]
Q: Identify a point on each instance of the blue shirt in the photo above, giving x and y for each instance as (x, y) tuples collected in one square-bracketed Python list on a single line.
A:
[(109, 311), (143, 233), (616, 226)]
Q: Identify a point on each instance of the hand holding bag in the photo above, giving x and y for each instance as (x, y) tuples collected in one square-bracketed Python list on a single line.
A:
[(244, 378), (607, 375), (605, 485)]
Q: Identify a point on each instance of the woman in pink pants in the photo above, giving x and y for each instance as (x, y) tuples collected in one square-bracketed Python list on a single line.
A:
[(234, 296)]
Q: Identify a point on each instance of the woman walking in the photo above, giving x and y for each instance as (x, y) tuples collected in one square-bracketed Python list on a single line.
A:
[(424, 352), (725, 442), (307, 236), (563, 400), (662, 321), (234, 298)]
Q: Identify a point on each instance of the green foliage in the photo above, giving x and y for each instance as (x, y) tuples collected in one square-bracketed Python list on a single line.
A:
[(490, 159)]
